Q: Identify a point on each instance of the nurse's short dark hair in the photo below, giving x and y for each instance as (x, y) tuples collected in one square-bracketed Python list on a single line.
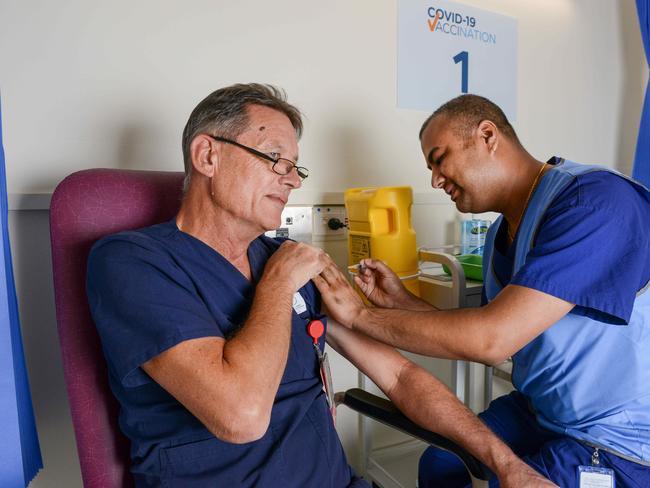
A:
[(466, 112), (224, 113)]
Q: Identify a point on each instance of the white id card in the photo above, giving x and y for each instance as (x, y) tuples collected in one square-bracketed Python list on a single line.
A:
[(299, 304), (595, 477)]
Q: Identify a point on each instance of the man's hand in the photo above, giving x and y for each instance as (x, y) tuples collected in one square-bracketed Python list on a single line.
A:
[(381, 285), (342, 302), (295, 263), (518, 474)]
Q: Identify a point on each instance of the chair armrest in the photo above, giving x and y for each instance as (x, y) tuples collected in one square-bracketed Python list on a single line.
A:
[(384, 411)]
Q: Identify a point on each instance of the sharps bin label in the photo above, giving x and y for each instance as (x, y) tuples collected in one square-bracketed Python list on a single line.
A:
[(359, 248)]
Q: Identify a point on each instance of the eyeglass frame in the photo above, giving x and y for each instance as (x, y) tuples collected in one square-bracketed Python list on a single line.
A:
[(262, 155)]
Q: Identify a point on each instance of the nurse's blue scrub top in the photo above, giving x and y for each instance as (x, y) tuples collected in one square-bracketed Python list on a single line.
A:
[(591, 248), (156, 287)]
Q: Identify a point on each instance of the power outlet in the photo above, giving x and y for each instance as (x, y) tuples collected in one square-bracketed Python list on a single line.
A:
[(295, 223), (325, 215)]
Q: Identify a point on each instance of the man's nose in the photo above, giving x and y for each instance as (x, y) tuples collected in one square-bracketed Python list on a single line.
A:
[(437, 180), (292, 179)]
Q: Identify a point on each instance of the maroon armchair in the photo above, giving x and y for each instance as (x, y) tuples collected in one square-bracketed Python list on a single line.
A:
[(86, 206)]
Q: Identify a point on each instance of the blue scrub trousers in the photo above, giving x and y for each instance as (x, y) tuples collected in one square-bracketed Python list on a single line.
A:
[(555, 456)]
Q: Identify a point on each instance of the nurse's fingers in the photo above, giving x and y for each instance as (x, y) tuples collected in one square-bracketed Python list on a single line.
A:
[(373, 263), (361, 284), (367, 276), (377, 266)]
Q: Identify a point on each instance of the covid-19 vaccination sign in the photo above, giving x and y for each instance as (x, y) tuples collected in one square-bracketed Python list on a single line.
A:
[(446, 49)]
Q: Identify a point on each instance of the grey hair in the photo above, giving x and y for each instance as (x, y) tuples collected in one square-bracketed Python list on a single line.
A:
[(224, 113), (466, 112)]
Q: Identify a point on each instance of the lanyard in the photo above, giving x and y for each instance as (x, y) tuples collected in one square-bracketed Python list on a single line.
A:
[(315, 330)]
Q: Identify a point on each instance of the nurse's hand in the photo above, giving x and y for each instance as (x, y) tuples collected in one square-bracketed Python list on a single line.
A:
[(383, 288), (523, 475), (379, 283), (294, 264), (343, 304)]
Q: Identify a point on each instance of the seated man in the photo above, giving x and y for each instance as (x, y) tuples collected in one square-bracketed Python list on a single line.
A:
[(203, 322)]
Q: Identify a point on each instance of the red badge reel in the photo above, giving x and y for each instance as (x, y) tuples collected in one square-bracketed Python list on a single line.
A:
[(315, 329)]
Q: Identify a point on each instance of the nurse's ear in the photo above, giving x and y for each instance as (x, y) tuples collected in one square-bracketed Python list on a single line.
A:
[(205, 153), (488, 135)]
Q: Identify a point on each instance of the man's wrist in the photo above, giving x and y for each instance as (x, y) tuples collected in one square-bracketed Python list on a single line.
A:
[(503, 460), (277, 286)]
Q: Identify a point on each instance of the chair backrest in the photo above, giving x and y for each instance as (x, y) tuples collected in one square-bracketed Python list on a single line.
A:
[(86, 206)]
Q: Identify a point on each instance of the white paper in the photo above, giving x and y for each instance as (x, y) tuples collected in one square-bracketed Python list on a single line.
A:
[(299, 304), (432, 34), (595, 480)]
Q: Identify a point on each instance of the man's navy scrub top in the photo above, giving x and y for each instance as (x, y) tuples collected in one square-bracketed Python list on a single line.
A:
[(154, 288)]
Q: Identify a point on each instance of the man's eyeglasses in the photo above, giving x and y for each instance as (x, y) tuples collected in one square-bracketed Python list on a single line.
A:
[(281, 166)]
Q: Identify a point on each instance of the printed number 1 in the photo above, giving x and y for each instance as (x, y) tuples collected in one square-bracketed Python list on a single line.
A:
[(463, 57)]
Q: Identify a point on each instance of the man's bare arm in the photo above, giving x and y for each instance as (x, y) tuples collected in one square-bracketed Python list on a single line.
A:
[(430, 404)]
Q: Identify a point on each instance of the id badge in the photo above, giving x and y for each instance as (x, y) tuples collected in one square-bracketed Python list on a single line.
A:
[(299, 305), (595, 477), (326, 377)]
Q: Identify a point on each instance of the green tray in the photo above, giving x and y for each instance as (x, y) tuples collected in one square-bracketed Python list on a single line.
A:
[(472, 265)]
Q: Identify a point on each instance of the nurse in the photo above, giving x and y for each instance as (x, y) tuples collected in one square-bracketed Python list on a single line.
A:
[(566, 274), (212, 332)]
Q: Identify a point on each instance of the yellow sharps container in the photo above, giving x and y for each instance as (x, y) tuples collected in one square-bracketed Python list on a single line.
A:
[(379, 222)]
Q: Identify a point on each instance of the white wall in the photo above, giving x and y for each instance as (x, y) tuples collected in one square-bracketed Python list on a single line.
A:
[(89, 83)]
